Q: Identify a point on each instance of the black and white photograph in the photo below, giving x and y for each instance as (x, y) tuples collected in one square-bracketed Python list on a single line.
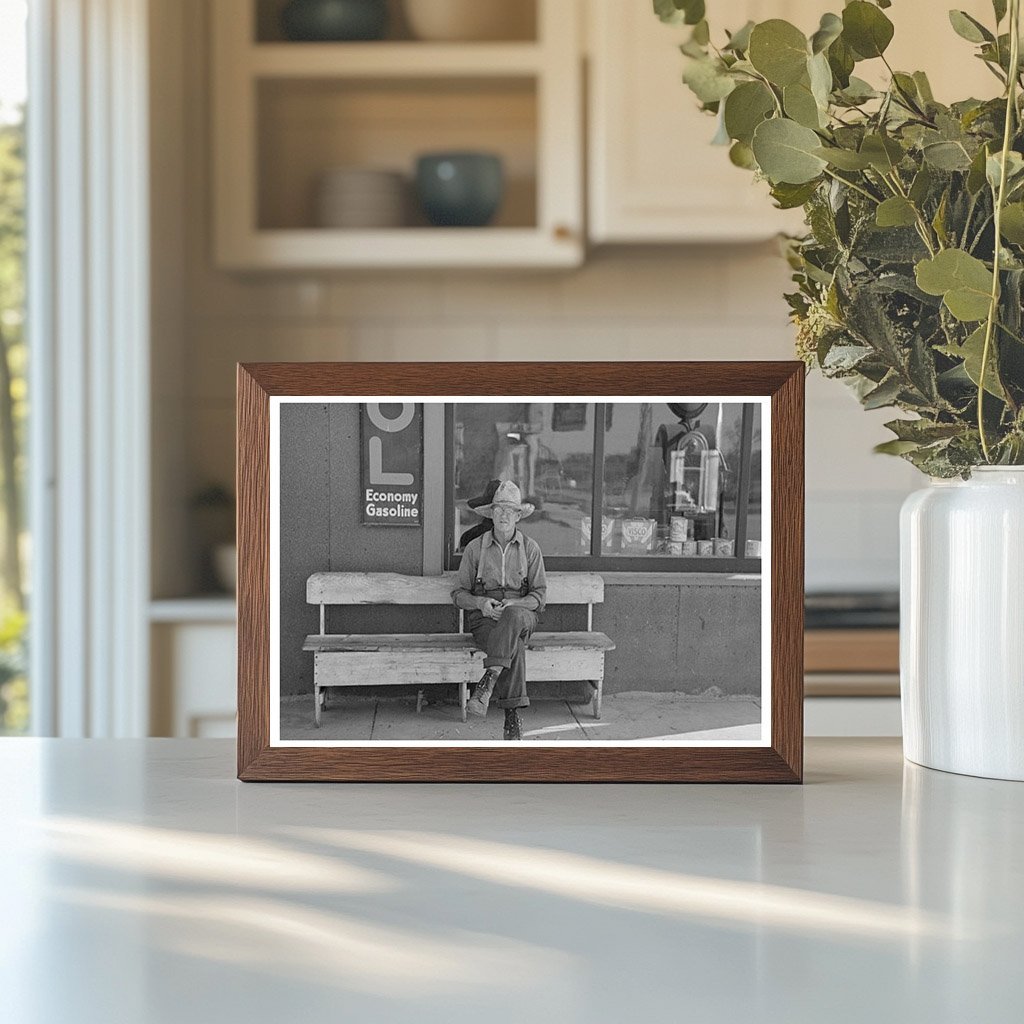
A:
[(519, 570)]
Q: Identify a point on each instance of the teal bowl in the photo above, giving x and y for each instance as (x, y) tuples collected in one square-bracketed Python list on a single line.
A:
[(461, 190), (334, 21)]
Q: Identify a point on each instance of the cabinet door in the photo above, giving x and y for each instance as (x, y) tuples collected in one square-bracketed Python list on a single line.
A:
[(654, 175), (286, 113)]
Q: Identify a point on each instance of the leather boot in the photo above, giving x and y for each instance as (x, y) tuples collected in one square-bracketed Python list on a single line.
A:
[(477, 704), (513, 724)]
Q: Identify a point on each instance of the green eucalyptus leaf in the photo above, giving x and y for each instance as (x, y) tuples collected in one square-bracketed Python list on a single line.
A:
[(676, 12), (923, 431), (668, 11), (858, 91), (788, 196), (784, 151), (778, 50), (866, 29), (744, 67), (924, 88), (707, 80), (895, 212), (885, 394), (895, 447), (844, 159), (742, 155), (971, 352), (963, 281), (969, 28), (976, 173), (1011, 225), (820, 76), (906, 87), (695, 11), (745, 108), (739, 41), (829, 30), (999, 7), (701, 32), (994, 167), (841, 60), (939, 220), (946, 156), (800, 105), (883, 153), (921, 185)]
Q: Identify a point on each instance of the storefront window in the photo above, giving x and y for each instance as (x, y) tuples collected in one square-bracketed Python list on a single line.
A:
[(546, 448), (677, 481), (671, 480)]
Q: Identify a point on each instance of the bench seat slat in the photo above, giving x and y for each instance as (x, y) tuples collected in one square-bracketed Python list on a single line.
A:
[(440, 643), (350, 588)]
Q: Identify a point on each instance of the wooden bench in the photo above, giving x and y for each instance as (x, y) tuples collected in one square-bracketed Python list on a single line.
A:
[(424, 659)]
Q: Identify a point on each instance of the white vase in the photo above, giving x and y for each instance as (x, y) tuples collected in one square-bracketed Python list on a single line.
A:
[(962, 624)]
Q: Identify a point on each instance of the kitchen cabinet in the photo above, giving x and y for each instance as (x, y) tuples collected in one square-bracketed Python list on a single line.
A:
[(286, 113), (653, 175), (192, 648)]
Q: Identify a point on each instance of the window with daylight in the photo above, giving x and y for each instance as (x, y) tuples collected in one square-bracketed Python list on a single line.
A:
[(14, 704), (617, 485)]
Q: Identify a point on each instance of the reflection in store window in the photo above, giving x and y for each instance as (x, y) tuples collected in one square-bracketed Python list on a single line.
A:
[(546, 448), (670, 485), (671, 478)]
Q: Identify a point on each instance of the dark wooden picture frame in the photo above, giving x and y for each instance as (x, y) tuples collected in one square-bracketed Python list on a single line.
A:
[(781, 761)]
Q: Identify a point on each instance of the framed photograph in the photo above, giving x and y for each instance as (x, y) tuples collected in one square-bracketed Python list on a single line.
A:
[(520, 571)]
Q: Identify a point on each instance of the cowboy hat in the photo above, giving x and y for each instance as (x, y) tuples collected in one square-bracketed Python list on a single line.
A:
[(487, 497), (506, 493)]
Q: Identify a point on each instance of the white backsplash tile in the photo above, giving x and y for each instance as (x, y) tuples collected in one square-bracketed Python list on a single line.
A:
[(715, 302)]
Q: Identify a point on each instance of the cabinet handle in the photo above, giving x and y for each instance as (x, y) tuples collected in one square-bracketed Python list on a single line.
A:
[(563, 232)]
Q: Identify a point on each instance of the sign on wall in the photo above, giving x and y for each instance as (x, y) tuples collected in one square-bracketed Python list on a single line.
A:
[(391, 463)]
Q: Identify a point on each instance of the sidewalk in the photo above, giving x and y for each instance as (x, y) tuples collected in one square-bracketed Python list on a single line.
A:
[(624, 716)]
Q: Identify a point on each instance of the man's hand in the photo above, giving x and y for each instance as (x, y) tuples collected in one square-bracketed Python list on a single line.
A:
[(490, 608)]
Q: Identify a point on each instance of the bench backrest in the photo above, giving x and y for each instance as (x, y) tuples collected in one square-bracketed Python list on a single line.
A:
[(395, 588)]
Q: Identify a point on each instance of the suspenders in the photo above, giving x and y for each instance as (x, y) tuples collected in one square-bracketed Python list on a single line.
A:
[(524, 588)]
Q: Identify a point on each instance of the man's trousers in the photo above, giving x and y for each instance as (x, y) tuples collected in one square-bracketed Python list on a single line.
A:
[(504, 641)]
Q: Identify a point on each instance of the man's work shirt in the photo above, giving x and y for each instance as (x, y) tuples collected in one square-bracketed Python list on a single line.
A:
[(503, 572)]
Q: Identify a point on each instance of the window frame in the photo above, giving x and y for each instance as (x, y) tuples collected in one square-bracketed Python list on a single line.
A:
[(596, 561)]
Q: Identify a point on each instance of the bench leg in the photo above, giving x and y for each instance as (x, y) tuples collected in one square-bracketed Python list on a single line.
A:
[(597, 696), (419, 701), (316, 703), (462, 699)]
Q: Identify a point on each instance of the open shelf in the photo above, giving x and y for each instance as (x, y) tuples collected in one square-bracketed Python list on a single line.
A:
[(520, 17), (287, 113), (393, 60), (306, 128)]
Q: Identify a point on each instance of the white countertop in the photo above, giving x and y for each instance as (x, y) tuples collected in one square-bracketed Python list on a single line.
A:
[(143, 884)]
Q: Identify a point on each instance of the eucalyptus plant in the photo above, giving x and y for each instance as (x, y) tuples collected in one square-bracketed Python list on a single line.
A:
[(910, 278)]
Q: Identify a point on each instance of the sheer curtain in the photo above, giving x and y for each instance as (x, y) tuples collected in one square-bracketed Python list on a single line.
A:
[(88, 301)]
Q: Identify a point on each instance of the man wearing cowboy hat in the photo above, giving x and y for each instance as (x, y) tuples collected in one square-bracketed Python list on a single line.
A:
[(501, 583)]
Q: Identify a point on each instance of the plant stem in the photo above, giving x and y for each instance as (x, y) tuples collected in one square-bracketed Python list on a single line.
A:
[(855, 187), (993, 308), (922, 225)]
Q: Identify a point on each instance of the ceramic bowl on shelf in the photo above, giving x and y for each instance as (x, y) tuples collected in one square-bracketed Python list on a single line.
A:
[(361, 198), (334, 20), (471, 20), (460, 189)]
